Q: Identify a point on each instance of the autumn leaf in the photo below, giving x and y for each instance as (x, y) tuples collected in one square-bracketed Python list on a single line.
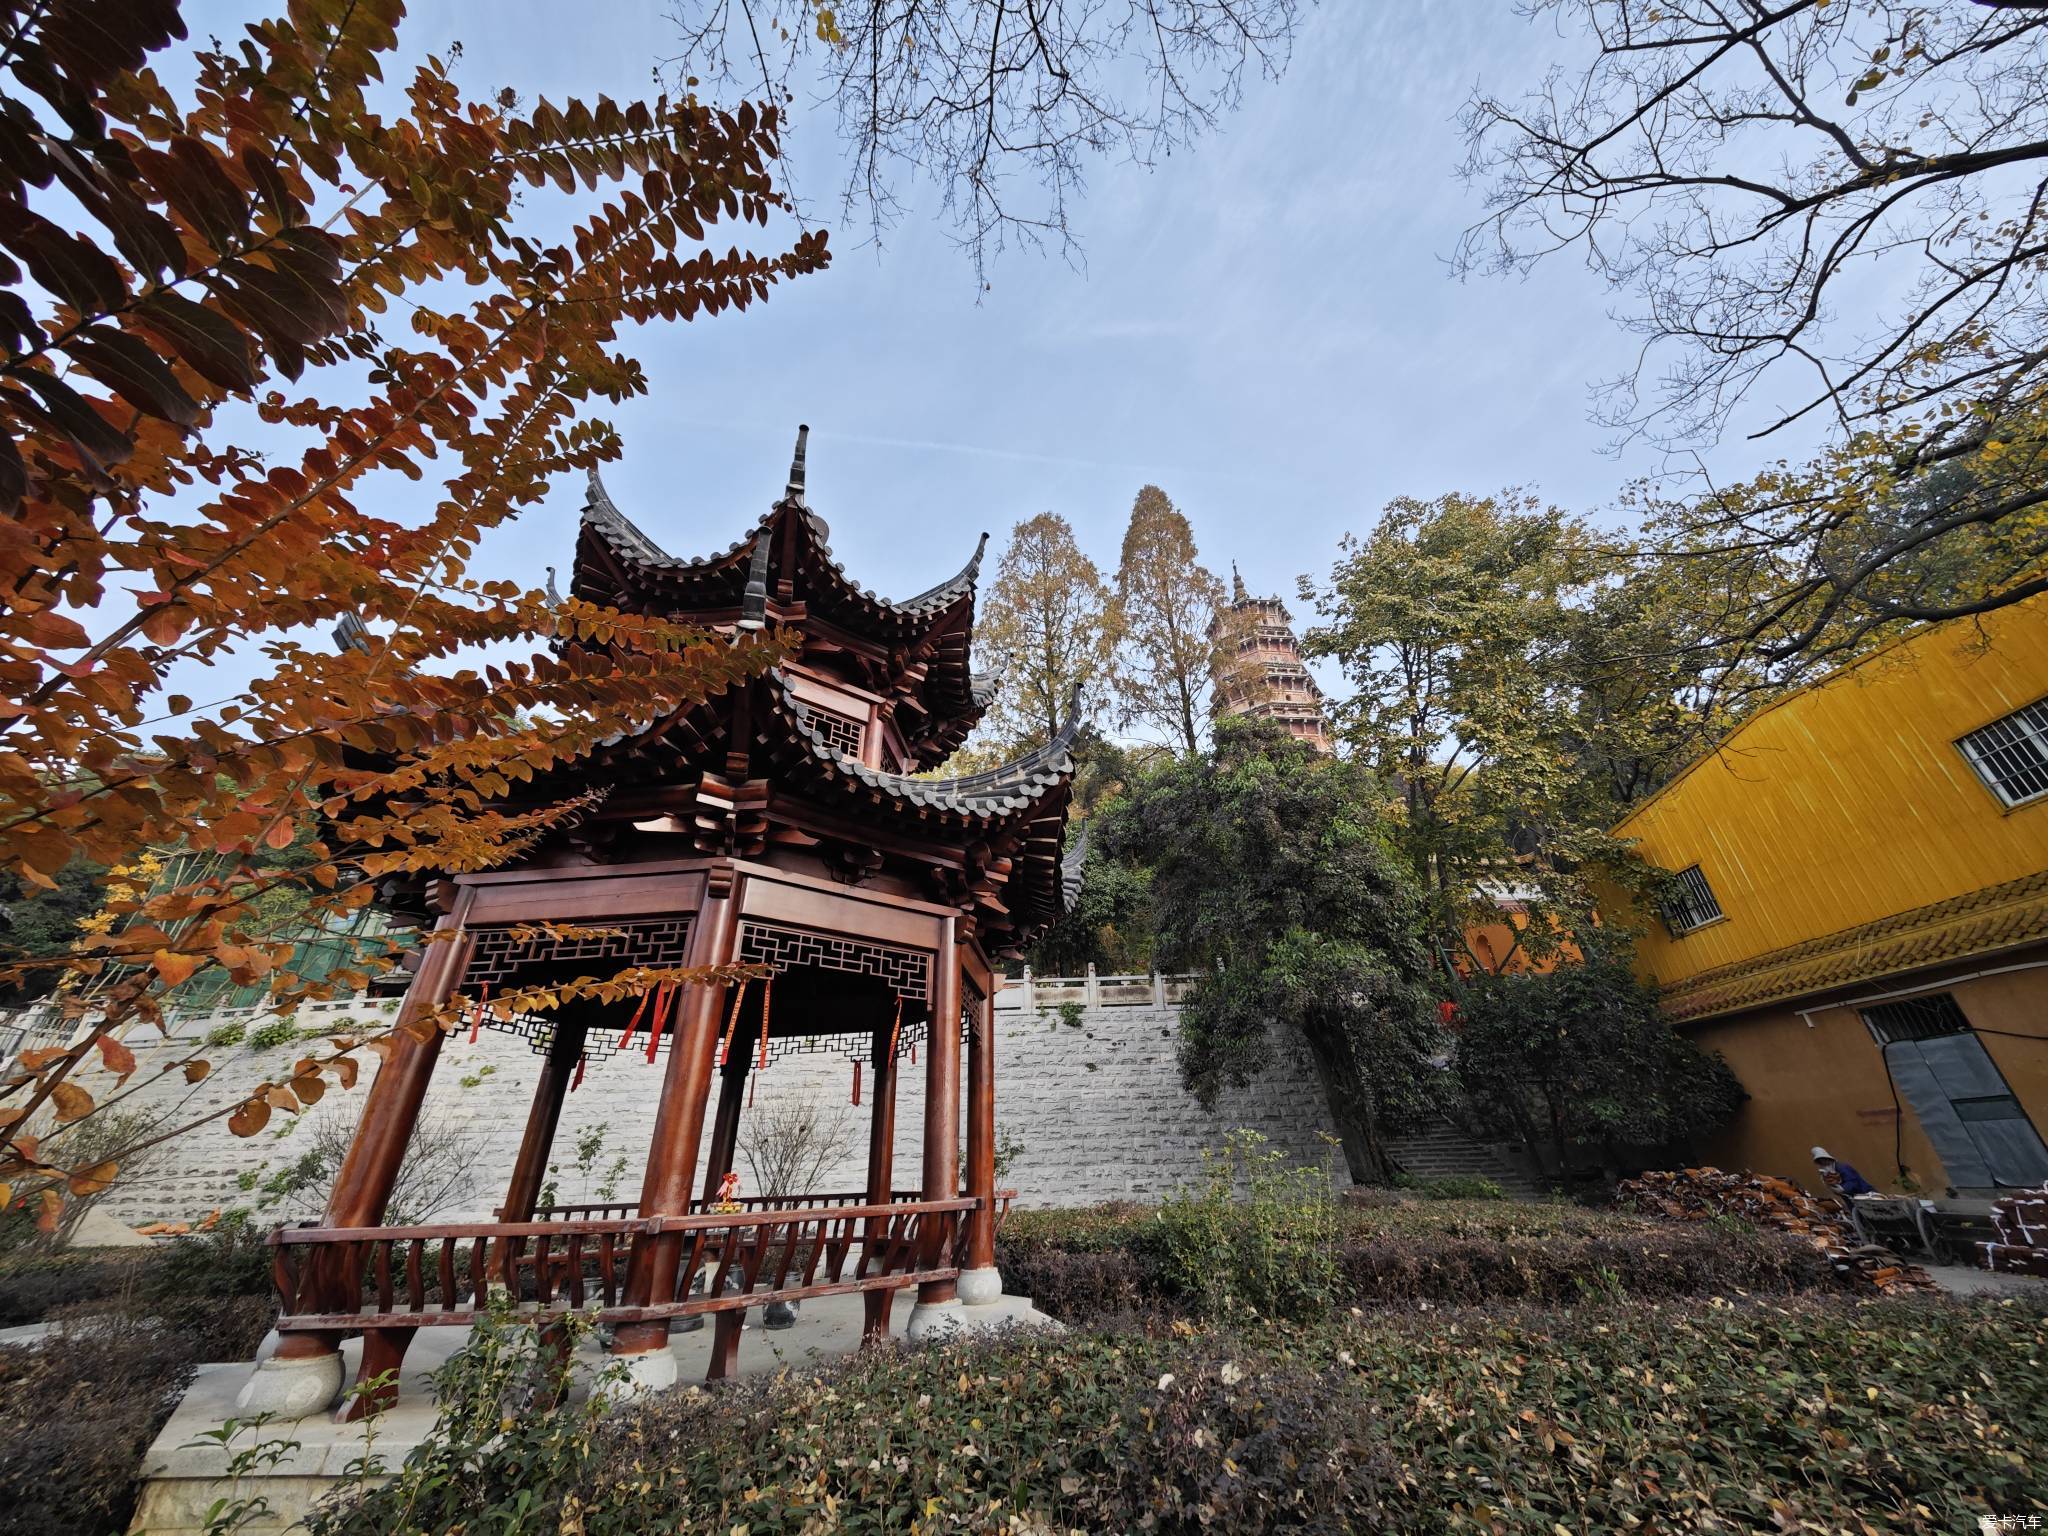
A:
[(117, 1057), (172, 967), (195, 1071), (6, 1195), (49, 1206), (94, 1180), (345, 1068), (281, 1097), (309, 1088), (70, 1102), (249, 1117)]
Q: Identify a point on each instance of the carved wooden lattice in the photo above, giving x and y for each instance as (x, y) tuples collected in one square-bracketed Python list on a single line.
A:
[(906, 973), (842, 733), (512, 957)]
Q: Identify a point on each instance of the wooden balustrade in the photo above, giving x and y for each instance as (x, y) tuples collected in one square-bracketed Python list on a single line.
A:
[(344, 1279), (602, 1211)]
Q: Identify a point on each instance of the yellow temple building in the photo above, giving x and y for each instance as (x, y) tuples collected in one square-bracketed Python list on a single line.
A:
[(1860, 916)]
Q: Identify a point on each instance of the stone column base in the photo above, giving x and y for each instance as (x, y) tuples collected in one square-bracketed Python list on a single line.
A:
[(292, 1389), (934, 1320), (652, 1370), (979, 1287)]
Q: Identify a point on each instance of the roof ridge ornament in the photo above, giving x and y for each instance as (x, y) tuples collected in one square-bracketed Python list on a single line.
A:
[(754, 602), (794, 491)]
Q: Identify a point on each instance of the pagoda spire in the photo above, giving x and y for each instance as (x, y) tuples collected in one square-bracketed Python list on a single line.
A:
[(794, 491), (1237, 592)]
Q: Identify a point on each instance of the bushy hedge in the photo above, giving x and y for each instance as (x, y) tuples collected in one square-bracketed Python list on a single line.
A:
[(1108, 1261), (231, 1260), (1826, 1414), (78, 1412)]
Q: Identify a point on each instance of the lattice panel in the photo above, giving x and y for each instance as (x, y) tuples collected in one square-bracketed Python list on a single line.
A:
[(506, 960), (842, 733), (905, 972)]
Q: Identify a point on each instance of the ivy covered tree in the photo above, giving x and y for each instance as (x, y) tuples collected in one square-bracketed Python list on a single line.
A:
[(1580, 1057), (1276, 879), (203, 406)]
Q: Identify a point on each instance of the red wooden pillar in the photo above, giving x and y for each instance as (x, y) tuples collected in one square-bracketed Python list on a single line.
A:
[(942, 1113), (362, 1185), (981, 1141), (882, 1132), (725, 1126), (529, 1169), (672, 1150)]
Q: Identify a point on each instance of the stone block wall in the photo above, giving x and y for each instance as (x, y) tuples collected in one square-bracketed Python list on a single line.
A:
[(1088, 1110)]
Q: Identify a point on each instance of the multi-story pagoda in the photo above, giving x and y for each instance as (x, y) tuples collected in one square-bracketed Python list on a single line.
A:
[(1258, 669), (778, 826)]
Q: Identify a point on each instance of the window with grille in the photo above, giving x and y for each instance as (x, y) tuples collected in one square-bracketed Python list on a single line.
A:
[(1690, 903), (2011, 755), (1916, 1018)]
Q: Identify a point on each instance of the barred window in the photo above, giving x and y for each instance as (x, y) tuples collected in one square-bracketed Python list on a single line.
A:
[(1690, 903), (1916, 1018), (2011, 754)]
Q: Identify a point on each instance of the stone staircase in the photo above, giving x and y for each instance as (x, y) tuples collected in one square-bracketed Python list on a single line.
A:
[(1441, 1149)]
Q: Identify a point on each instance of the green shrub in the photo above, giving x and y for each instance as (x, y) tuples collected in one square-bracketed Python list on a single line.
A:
[(277, 1032), (1821, 1415), (1257, 1233), (31, 1287), (78, 1413), (231, 1260), (1460, 1186), (227, 1035), (1103, 1262)]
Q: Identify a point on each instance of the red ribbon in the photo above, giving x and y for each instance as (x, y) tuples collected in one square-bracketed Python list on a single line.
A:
[(732, 1023), (577, 1081), (856, 1082), (633, 1024), (654, 1024), (476, 1019)]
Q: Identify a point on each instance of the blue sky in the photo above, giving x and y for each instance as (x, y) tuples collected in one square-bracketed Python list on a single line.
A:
[(1265, 326)]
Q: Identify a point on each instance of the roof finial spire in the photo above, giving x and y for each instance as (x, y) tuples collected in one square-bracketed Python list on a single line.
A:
[(795, 489), (1237, 593)]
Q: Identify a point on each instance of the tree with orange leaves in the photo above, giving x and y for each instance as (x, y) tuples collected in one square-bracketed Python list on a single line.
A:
[(164, 259)]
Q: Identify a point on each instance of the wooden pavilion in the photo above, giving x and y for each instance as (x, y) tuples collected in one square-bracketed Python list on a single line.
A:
[(777, 825)]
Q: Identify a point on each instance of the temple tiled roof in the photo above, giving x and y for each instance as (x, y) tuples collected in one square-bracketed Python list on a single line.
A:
[(1980, 922)]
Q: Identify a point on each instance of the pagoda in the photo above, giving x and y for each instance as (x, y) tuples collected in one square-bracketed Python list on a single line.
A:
[(779, 826), (1258, 670)]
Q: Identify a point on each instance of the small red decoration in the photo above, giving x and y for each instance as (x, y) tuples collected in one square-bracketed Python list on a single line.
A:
[(633, 1024), (476, 1019), (856, 1082), (582, 1060)]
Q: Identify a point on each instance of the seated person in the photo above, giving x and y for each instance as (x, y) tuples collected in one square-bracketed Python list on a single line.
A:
[(1839, 1176)]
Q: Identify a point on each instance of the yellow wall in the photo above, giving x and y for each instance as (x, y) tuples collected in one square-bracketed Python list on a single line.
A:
[(1849, 800), (1824, 1084)]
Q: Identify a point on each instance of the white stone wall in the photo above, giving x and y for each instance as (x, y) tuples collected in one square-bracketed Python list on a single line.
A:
[(1092, 1112)]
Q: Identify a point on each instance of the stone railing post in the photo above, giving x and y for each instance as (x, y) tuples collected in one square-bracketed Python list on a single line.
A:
[(1026, 985), (1091, 991), (1158, 990)]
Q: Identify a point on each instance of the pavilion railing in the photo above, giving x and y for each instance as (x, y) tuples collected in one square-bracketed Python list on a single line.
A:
[(391, 1280), (605, 1210), (620, 1209)]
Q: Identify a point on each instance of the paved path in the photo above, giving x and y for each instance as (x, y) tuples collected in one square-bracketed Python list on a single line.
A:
[(1961, 1280)]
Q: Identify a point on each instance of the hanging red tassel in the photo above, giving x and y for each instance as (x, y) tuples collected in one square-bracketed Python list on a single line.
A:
[(633, 1024), (582, 1060), (476, 1019), (732, 1024), (856, 1082), (654, 1024), (750, 1091), (767, 997), (896, 1031)]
